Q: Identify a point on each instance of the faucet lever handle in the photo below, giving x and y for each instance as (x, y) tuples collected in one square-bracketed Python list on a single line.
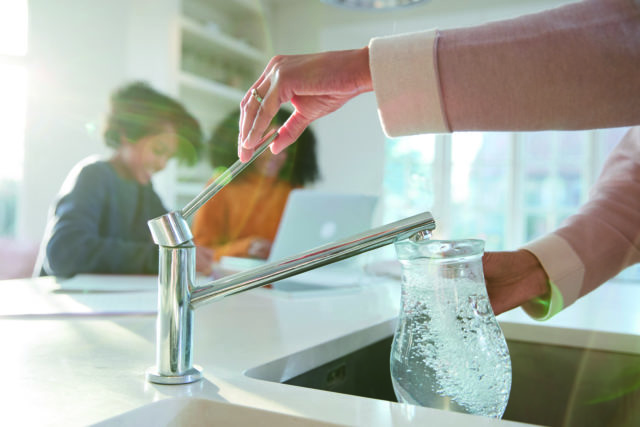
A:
[(226, 177), (172, 229)]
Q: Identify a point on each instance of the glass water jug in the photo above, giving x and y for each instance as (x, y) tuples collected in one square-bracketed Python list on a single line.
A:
[(448, 351)]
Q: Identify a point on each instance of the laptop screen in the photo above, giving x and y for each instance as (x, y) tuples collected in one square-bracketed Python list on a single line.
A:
[(313, 218)]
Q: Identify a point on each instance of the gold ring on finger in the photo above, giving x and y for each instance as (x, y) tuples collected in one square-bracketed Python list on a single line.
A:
[(256, 95)]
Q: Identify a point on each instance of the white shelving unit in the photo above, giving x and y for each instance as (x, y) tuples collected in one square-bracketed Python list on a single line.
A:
[(197, 34), (208, 88), (222, 49)]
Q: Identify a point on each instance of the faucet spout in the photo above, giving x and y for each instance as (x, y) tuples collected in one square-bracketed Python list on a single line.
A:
[(178, 295), (314, 258)]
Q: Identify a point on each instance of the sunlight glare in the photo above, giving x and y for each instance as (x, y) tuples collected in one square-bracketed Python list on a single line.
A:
[(13, 27)]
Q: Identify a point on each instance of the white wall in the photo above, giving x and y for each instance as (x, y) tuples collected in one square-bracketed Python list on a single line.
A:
[(351, 149), (79, 51)]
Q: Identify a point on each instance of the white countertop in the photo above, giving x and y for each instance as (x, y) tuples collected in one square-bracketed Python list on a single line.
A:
[(75, 351)]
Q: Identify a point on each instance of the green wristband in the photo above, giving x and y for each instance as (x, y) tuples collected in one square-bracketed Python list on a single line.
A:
[(546, 306)]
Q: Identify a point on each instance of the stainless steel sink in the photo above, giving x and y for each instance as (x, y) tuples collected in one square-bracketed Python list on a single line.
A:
[(552, 385)]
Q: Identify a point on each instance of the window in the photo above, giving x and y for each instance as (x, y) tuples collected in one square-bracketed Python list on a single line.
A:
[(553, 175), (13, 87), (408, 186), (505, 188), (479, 194)]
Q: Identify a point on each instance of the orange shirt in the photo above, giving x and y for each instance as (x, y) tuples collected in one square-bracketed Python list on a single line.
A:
[(245, 209)]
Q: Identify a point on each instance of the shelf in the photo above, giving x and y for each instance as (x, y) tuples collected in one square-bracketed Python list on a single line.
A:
[(221, 49), (210, 87), (198, 35)]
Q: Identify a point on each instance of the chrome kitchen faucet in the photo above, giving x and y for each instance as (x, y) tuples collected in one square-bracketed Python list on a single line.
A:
[(179, 296)]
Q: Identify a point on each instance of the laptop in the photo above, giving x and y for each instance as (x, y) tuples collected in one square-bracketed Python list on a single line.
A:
[(313, 218)]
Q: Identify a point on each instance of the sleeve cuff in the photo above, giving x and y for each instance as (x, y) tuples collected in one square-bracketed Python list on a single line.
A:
[(405, 80), (565, 271)]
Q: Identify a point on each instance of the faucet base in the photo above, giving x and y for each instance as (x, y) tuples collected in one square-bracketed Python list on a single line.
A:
[(192, 375)]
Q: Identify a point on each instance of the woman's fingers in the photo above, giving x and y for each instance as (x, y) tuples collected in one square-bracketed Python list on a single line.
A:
[(247, 118), (259, 106), (249, 97), (250, 109), (247, 114), (289, 132), (243, 154), (262, 115)]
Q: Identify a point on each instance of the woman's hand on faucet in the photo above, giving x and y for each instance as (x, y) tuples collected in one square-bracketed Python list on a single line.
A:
[(315, 84), (513, 278), (204, 260)]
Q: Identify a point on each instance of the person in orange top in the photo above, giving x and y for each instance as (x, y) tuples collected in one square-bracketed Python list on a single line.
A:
[(225, 223)]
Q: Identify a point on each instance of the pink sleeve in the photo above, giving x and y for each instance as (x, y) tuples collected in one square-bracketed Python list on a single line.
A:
[(574, 67), (602, 239)]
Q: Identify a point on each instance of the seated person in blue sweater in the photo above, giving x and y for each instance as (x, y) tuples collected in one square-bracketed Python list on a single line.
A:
[(99, 222)]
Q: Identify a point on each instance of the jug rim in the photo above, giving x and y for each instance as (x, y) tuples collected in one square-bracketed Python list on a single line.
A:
[(439, 249)]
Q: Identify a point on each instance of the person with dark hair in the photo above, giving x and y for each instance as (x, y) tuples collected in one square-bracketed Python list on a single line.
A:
[(99, 222), (224, 223)]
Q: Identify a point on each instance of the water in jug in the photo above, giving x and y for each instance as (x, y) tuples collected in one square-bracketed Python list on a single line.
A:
[(448, 350)]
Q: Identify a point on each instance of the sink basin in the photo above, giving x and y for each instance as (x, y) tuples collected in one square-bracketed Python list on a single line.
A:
[(552, 385), (195, 412)]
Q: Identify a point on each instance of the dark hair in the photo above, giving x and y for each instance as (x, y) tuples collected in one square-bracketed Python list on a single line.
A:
[(301, 165), (137, 110)]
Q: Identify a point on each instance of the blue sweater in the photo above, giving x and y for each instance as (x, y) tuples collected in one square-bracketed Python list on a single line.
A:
[(99, 224)]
